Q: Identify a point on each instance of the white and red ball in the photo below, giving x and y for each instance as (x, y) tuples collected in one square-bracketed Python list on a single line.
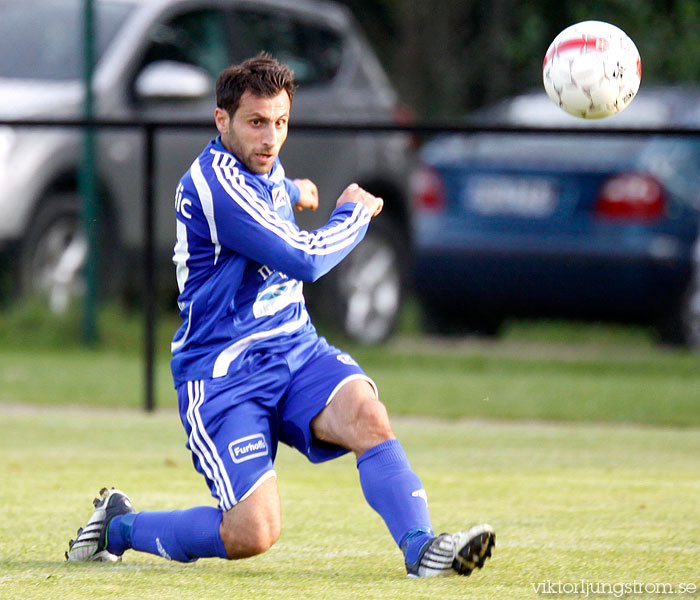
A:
[(592, 70)]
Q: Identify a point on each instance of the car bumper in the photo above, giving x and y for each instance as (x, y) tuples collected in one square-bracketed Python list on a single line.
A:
[(554, 277)]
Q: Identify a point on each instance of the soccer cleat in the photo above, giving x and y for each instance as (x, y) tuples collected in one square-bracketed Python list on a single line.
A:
[(91, 542), (472, 548), (454, 553)]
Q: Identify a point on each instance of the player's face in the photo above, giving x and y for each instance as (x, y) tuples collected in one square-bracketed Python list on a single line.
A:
[(257, 130)]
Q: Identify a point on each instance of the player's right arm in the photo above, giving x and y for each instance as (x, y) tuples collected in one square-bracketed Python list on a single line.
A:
[(235, 217), (354, 193)]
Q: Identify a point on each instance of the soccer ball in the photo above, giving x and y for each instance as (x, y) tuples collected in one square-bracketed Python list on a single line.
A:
[(592, 70)]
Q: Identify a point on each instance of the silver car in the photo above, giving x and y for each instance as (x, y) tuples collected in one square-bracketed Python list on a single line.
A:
[(157, 60)]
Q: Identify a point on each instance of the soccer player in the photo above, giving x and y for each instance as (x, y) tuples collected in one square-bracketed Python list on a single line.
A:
[(248, 365)]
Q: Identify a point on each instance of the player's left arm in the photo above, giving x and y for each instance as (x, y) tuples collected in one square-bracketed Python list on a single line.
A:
[(308, 195)]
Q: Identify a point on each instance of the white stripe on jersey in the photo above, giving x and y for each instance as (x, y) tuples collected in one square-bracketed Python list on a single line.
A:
[(323, 238), (205, 197), (230, 172), (203, 446), (224, 360), (322, 242), (226, 169), (176, 344), (181, 254)]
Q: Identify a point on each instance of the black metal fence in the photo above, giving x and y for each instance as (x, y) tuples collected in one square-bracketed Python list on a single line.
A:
[(151, 128)]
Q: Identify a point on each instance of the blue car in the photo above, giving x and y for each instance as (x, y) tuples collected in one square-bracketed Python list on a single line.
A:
[(581, 225)]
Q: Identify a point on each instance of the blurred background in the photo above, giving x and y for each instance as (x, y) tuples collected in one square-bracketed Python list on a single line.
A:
[(484, 233), (452, 56)]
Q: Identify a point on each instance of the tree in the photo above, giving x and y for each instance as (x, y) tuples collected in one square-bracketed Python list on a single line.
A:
[(447, 57)]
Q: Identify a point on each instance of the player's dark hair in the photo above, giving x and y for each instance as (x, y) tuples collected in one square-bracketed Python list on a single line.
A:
[(262, 75)]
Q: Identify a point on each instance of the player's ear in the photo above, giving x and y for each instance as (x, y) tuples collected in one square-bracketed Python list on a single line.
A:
[(222, 119)]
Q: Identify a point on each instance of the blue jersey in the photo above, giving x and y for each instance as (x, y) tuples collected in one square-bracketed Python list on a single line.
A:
[(241, 259)]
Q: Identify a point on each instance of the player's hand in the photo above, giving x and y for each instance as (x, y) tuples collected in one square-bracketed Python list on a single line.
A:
[(308, 195), (354, 193)]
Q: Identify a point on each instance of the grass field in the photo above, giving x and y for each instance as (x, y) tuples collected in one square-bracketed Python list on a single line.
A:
[(553, 372), (601, 504), (584, 456)]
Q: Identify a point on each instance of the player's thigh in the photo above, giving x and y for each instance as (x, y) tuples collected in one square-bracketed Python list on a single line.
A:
[(355, 419), (320, 375), (233, 441)]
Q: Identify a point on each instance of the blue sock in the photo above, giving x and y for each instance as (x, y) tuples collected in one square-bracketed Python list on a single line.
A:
[(119, 533), (181, 535), (396, 493), (413, 542)]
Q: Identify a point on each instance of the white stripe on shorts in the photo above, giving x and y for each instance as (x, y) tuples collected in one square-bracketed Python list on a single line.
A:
[(267, 475), (349, 378), (205, 450)]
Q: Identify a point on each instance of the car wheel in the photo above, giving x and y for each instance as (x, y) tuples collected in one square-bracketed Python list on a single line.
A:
[(366, 289), (54, 253)]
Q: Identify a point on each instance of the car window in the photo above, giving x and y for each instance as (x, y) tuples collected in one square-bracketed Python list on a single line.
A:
[(312, 51), (42, 39), (197, 38)]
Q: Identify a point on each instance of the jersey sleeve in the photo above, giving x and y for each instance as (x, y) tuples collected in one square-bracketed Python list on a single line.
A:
[(292, 190), (241, 220)]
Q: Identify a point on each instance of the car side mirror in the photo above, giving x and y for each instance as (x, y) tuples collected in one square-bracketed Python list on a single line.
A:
[(170, 80)]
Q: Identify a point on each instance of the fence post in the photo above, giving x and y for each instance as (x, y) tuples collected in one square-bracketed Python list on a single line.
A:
[(87, 183), (150, 288)]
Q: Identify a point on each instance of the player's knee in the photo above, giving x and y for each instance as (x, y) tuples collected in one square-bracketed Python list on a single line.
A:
[(254, 524), (255, 539), (355, 419), (261, 540), (371, 415), (368, 425)]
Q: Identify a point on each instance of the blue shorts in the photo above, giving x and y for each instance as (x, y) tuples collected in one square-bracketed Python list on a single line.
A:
[(234, 423)]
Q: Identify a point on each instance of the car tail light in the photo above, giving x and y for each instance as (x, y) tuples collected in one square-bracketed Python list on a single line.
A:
[(427, 190), (631, 196)]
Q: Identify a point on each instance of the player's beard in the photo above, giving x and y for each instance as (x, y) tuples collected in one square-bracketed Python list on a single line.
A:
[(253, 159), (251, 155), (260, 162)]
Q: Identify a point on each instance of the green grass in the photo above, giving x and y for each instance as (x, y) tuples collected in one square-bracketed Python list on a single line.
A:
[(525, 381), (579, 443), (598, 503), (545, 371), (423, 381)]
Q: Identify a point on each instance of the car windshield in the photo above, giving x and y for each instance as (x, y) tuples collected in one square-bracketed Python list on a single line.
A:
[(42, 39)]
